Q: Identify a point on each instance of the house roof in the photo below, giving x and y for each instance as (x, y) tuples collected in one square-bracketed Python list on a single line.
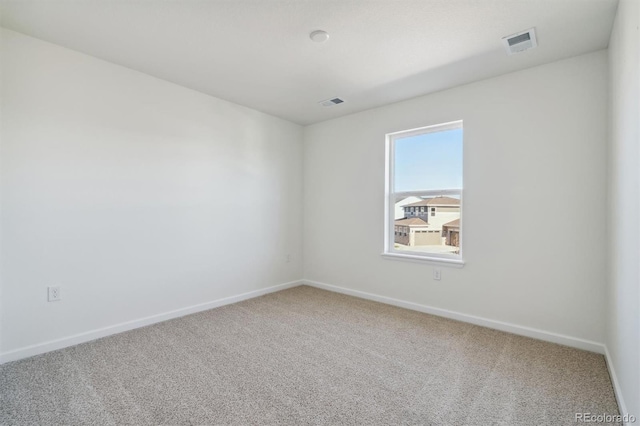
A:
[(453, 224), (407, 200), (413, 221), (436, 201)]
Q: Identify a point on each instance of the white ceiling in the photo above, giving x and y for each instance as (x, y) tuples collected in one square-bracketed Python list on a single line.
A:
[(258, 52)]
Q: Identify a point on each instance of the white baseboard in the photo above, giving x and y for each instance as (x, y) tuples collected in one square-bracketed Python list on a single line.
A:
[(64, 342), (616, 385), (547, 336), (574, 342)]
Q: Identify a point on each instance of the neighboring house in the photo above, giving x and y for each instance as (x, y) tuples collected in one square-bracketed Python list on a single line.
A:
[(451, 233), (399, 211), (416, 232), (423, 222)]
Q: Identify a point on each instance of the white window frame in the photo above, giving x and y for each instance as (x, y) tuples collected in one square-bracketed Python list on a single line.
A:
[(391, 196)]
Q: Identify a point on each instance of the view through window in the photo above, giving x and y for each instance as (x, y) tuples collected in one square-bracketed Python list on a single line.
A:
[(424, 191)]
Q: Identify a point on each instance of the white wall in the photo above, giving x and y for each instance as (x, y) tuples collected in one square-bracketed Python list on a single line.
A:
[(1, 199), (623, 332), (135, 195), (531, 138)]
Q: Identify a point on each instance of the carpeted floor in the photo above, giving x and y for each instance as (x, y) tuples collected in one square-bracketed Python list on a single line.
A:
[(307, 356)]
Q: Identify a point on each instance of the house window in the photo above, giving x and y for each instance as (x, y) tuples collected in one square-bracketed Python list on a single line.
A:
[(425, 165)]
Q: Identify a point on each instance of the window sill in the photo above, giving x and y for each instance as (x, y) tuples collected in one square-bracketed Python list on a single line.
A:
[(454, 263)]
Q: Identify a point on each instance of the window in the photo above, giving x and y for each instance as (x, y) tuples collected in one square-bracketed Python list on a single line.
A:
[(424, 168)]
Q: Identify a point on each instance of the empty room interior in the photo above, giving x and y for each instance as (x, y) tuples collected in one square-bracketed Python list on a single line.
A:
[(355, 212)]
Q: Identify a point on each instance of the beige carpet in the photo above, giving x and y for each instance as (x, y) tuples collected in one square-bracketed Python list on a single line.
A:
[(307, 356)]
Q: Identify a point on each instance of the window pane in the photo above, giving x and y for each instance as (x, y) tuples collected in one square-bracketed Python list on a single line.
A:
[(428, 231), (428, 161)]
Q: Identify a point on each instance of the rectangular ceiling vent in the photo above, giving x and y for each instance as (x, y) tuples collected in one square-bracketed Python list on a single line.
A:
[(331, 102), (519, 42)]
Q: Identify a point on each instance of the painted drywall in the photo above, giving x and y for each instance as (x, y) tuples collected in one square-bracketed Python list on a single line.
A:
[(535, 243), (623, 331), (135, 195), (1, 73)]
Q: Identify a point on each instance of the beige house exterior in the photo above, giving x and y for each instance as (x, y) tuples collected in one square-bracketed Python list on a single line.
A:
[(415, 232), (451, 233), (424, 222)]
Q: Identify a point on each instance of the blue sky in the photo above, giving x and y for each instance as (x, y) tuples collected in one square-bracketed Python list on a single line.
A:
[(429, 161)]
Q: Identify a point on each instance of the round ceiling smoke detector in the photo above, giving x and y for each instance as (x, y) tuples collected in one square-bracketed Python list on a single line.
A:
[(319, 36)]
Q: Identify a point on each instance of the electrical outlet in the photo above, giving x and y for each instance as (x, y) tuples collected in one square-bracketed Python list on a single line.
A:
[(53, 294), (436, 274), (288, 258)]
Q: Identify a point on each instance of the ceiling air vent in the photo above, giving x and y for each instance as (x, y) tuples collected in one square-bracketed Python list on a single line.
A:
[(331, 102), (519, 42)]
